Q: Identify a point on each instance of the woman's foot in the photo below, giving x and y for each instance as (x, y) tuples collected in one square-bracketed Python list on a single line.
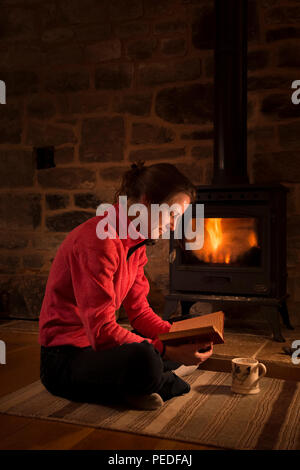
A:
[(150, 401)]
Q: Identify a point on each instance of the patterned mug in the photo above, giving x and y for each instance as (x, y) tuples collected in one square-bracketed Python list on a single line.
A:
[(246, 374)]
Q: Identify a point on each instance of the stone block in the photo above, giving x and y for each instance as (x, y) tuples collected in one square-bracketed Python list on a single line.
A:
[(172, 26), (82, 102), (254, 32), (42, 134), (91, 11), (102, 139), (46, 241), (113, 173), (267, 82), (114, 76), (67, 178), (194, 171), (121, 10), (13, 241), (55, 57), (67, 221), (41, 107), (107, 193), (67, 81), (289, 136), (17, 168), (143, 133), (190, 104), (63, 155), (141, 49), (258, 59), (288, 32), (9, 263), (176, 46), (137, 104), (276, 167), (20, 210), (161, 9), (164, 72), (103, 51), (33, 261), (293, 228), (157, 154), (279, 106), (209, 67), (289, 55), (23, 56), (87, 200), (10, 124), (93, 32), (25, 294), (19, 82), (202, 153), (269, 3), (205, 134), (263, 138), (57, 36), (203, 27), (57, 201), (282, 15), (130, 29), (18, 24)]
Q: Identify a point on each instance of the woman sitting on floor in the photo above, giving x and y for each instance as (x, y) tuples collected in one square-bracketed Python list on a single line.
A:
[(85, 354)]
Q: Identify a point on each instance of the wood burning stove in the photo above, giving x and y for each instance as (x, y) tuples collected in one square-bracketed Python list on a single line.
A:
[(244, 244), (243, 258)]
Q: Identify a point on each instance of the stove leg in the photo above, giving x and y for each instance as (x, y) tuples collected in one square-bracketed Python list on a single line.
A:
[(273, 317), (283, 310), (170, 308)]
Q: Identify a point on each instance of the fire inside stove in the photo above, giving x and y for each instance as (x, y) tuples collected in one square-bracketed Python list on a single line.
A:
[(229, 241)]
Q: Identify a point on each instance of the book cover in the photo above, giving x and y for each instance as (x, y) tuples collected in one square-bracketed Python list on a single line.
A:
[(204, 328)]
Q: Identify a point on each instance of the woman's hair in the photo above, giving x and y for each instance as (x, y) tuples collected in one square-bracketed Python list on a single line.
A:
[(158, 183)]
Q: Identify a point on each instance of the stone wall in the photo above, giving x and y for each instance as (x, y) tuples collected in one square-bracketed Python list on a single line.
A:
[(107, 82)]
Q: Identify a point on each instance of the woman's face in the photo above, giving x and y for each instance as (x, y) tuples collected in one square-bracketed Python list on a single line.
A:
[(166, 219)]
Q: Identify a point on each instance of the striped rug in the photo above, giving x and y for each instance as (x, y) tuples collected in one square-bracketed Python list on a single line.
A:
[(209, 414)]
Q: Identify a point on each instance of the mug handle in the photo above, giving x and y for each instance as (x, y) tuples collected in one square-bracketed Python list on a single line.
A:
[(263, 371)]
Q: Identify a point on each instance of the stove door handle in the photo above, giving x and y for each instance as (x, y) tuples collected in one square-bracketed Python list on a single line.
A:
[(218, 279)]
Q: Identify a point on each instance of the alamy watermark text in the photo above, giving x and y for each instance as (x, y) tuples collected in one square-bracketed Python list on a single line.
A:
[(2, 352), (2, 92)]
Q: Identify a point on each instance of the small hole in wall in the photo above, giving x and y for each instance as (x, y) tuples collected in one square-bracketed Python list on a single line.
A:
[(44, 157)]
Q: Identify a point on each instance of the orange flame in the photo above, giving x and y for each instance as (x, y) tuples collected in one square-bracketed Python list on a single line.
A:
[(226, 239), (252, 239), (215, 232)]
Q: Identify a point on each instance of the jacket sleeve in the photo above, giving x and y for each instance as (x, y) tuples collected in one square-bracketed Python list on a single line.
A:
[(140, 314), (92, 272)]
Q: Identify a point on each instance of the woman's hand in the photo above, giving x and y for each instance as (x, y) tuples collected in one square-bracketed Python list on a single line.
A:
[(188, 353)]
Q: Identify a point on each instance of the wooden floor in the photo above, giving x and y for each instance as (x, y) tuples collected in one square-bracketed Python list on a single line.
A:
[(18, 433), (22, 368)]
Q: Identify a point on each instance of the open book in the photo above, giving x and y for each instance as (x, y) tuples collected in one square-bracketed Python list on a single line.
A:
[(204, 328)]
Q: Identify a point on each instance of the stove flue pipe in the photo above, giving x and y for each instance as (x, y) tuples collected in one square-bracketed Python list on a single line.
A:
[(230, 92)]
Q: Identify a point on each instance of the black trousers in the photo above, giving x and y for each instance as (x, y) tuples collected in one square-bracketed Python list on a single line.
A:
[(85, 375)]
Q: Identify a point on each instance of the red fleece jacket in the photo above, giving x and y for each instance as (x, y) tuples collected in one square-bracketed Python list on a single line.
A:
[(88, 281)]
